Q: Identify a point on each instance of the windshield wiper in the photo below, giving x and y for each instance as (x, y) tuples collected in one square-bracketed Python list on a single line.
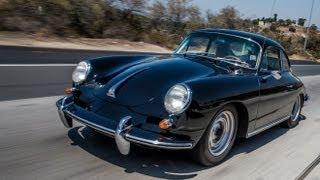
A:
[(207, 58), (226, 60), (235, 61)]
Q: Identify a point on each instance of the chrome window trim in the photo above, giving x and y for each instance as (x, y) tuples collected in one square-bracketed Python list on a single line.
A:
[(284, 57), (279, 50)]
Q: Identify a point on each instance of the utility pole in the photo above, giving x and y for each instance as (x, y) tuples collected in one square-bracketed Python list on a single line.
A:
[(308, 28), (272, 8)]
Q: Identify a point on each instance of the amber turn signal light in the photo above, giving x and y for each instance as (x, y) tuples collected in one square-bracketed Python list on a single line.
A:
[(165, 124), (68, 90)]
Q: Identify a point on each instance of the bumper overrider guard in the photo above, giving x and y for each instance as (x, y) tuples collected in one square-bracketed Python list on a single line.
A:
[(124, 132)]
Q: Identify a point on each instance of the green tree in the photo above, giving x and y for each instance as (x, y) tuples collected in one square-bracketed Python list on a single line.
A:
[(301, 21), (178, 10), (288, 22), (313, 27), (158, 10), (228, 17), (275, 17), (195, 20), (134, 5)]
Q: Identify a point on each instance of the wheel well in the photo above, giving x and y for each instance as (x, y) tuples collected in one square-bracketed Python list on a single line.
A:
[(302, 99), (243, 119)]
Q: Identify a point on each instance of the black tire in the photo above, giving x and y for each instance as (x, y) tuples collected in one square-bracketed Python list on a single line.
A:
[(294, 119), (201, 152)]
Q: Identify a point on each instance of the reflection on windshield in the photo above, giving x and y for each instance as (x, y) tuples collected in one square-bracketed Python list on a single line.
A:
[(222, 47)]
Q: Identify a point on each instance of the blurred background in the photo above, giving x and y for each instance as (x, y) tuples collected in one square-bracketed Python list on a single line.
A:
[(151, 25)]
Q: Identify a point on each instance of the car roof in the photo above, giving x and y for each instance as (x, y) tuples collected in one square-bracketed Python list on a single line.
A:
[(262, 40)]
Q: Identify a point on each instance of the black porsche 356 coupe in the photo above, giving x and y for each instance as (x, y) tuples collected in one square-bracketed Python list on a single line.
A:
[(218, 85)]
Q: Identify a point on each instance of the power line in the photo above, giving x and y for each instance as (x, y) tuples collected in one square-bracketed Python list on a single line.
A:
[(308, 28), (272, 7)]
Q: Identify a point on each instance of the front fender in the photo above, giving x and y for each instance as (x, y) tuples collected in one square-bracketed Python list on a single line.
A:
[(212, 93)]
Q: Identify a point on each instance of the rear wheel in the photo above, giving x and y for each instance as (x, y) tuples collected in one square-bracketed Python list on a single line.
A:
[(219, 137), (295, 113)]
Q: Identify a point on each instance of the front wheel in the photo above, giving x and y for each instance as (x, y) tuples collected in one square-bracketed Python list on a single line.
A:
[(219, 137)]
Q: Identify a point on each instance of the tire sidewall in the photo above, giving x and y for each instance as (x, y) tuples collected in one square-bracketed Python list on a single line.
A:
[(204, 155)]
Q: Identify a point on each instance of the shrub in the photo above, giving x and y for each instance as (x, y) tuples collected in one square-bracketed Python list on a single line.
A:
[(292, 29)]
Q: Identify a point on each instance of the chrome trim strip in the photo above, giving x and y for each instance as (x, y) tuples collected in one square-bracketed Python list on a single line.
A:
[(134, 139), (61, 107), (112, 91), (158, 144), (92, 125), (263, 128)]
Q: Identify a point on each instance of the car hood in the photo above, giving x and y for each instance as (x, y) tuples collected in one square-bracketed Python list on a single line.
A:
[(148, 80)]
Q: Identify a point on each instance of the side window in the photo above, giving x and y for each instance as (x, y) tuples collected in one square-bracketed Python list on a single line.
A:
[(198, 45), (271, 59), (285, 62)]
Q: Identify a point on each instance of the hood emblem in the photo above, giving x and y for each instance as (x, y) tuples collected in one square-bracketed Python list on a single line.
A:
[(112, 91)]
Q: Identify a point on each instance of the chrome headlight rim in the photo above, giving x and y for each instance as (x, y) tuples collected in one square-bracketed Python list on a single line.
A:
[(186, 105), (87, 71)]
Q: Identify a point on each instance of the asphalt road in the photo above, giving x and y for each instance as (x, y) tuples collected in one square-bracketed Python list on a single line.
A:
[(35, 145), (17, 82), (31, 55), (41, 72)]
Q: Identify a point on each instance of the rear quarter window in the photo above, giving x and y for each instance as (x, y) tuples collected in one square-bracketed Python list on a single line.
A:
[(285, 62), (271, 59)]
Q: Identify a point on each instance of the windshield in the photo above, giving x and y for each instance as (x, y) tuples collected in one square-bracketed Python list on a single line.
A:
[(221, 46)]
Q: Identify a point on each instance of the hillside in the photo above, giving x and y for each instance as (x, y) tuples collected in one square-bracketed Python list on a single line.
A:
[(138, 25), (106, 44)]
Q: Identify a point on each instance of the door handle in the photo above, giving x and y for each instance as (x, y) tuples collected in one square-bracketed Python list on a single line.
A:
[(275, 74)]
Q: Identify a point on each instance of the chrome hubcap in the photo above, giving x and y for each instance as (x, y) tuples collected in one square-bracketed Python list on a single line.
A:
[(221, 133), (296, 110)]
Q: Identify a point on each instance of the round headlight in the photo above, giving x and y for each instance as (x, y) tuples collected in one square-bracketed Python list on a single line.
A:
[(81, 72), (177, 99)]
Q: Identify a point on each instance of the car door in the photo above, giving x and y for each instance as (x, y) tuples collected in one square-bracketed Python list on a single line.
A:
[(273, 88)]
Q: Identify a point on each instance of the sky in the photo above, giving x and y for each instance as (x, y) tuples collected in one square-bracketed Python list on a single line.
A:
[(285, 9)]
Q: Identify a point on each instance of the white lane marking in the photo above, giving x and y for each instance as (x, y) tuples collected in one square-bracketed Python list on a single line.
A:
[(36, 65)]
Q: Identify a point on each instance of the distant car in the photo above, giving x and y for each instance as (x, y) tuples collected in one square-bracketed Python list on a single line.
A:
[(218, 85)]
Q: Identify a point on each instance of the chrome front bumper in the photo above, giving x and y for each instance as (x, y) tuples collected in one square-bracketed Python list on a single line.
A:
[(123, 131)]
